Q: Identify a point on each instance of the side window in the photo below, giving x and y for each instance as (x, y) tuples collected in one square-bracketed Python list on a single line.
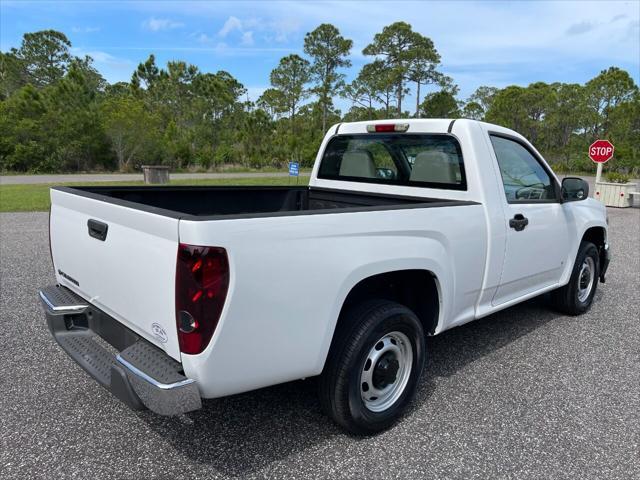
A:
[(524, 179)]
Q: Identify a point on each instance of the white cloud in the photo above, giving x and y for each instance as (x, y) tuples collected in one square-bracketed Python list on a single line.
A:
[(101, 58), (156, 24), (232, 23), (113, 69), (284, 28), (85, 29), (580, 27), (247, 39), (203, 37)]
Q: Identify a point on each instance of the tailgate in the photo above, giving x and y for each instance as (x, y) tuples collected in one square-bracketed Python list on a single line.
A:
[(130, 274)]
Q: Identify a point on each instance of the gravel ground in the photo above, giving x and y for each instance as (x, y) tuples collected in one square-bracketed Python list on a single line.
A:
[(526, 393)]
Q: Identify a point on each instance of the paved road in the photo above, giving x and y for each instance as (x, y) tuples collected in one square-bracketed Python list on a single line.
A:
[(524, 394), (124, 177)]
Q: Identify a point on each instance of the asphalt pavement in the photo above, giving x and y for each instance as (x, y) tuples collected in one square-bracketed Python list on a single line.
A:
[(524, 394)]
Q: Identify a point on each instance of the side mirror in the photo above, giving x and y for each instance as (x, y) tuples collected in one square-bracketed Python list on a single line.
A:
[(574, 189), (385, 173)]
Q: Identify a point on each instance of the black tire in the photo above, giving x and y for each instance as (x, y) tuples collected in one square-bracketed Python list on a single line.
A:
[(358, 334), (567, 299)]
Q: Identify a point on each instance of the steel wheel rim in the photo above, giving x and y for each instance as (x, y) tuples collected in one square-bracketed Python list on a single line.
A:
[(394, 346), (585, 279)]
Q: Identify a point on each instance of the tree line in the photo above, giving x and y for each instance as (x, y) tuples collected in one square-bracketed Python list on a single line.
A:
[(57, 112)]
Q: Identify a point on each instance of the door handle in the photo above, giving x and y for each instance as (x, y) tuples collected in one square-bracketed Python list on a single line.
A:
[(518, 222), (97, 229)]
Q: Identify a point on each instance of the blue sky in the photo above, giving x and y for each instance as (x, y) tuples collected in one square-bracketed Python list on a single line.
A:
[(481, 43)]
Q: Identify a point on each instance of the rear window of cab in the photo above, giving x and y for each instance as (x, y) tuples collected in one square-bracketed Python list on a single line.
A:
[(416, 160)]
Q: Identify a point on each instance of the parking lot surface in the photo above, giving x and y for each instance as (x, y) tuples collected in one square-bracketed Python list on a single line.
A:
[(526, 393)]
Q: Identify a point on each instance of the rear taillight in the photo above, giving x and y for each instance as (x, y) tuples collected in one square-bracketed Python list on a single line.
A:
[(202, 281)]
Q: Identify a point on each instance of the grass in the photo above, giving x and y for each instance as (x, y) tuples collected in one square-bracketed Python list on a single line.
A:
[(222, 169), (35, 197)]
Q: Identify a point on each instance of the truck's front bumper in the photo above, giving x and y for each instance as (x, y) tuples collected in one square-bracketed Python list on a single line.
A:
[(134, 370)]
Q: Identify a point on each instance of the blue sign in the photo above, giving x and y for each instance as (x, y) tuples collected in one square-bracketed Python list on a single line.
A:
[(294, 169)]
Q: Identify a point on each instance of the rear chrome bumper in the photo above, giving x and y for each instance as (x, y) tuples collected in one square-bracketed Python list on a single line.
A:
[(139, 374)]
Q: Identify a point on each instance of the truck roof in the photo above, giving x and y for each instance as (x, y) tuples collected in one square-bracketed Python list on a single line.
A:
[(418, 125)]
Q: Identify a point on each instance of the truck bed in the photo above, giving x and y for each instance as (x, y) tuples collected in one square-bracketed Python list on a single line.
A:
[(209, 203)]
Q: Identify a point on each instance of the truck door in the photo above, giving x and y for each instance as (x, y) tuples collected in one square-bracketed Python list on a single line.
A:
[(537, 238)]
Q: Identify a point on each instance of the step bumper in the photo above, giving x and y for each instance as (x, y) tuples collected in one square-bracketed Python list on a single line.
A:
[(132, 369)]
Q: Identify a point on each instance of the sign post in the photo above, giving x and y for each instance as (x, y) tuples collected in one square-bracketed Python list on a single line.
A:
[(600, 152), (294, 170)]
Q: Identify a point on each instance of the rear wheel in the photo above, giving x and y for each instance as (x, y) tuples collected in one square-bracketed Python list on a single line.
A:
[(373, 367), (577, 295)]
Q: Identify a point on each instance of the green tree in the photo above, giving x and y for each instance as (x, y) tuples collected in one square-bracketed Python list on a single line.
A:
[(118, 89), (329, 51), (45, 56), (508, 108), (290, 77), (483, 98), (440, 104), (132, 130), (73, 122), (538, 99), (374, 84), (473, 110), (11, 74), (423, 72), (23, 139), (564, 118), (92, 76), (604, 92), (401, 48), (273, 102), (624, 132), (363, 91), (57, 113), (147, 74), (256, 137)]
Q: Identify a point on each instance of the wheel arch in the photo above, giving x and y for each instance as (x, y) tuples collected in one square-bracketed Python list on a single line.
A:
[(595, 235), (598, 236), (417, 289)]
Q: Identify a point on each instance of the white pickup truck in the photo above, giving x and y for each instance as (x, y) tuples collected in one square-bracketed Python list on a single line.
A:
[(167, 295)]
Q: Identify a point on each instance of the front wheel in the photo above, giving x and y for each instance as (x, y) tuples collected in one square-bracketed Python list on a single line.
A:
[(576, 296), (374, 365)]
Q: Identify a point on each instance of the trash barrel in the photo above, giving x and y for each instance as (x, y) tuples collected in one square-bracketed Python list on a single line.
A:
[(155, 174)]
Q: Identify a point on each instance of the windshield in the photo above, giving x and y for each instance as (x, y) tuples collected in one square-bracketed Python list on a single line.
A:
[(397, 159)]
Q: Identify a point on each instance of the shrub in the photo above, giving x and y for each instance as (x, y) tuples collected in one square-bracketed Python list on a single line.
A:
[(29, 155), (223, 155), (616, 177)]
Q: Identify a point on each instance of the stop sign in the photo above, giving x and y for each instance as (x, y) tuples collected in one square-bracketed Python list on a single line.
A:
[(601, 151)]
